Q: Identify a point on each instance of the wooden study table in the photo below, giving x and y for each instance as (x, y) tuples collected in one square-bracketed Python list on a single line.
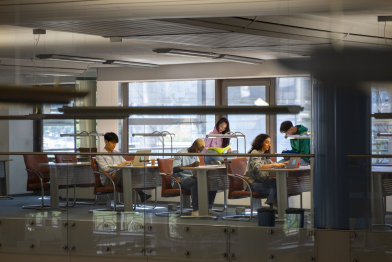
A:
[(203, 172), (281, 187), (137, 177), (3, 180), (67, 174)]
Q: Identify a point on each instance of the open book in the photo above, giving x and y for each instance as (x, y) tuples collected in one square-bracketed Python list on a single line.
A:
[(220, 150)]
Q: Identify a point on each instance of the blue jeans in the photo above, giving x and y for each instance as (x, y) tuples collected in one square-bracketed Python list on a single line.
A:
[(268, 187), (190, 183), (208, 159)]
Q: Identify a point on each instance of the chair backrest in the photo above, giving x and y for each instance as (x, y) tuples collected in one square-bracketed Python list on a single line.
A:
[(238, 167), (165, 165), (64, 158), (94, 166), (129, 158), (87, 150), (32, 162), (201, 160)]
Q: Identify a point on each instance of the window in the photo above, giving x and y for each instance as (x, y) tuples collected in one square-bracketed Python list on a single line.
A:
[(292, 91), (246, 93), (185, 127), (380, 104)]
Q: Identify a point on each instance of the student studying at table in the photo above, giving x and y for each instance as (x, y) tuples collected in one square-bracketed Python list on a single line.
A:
[(261, 182), (104, 161), (298, 146), (188, 178)]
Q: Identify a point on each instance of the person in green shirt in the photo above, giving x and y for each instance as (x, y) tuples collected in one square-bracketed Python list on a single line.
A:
[(301, 146)]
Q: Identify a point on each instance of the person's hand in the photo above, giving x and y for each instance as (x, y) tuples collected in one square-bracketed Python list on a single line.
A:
[(195, 164), (128, 162), (229, 151), (280, 165), (283, 151)]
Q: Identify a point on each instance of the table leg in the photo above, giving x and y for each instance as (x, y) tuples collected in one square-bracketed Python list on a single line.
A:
[(202, 190), (127, 187), (3, 183), (377, 200), (54, 185), (281, 187)]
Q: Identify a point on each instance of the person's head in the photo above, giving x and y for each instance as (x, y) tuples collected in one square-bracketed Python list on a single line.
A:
[(287, 128), (223, 127), (198, 145), (262, 142), (111, 140)]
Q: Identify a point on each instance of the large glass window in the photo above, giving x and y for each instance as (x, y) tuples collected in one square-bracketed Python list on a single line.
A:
[(381, 145), (245, 94), (292, 91), (185, 127), (52, 128)]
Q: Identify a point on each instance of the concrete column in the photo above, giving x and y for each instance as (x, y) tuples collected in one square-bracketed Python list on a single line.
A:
[(341, 185)]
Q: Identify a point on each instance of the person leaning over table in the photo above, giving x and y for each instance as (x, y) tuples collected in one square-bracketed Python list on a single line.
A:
[(221, 127), (260, 181), (104, 161), (300, 146), (188, 178)]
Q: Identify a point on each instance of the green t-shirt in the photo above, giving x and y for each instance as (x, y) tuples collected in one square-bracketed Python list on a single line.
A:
[(301, 145)]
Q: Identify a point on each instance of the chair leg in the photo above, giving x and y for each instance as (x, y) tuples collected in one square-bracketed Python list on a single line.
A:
[(224, 203), (254, 203)]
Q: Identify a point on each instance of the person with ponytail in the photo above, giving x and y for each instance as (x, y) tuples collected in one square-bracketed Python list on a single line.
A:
[(221, 127), (260, 181)]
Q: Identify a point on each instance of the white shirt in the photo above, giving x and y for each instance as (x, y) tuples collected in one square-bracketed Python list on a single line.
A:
[(104, 161)]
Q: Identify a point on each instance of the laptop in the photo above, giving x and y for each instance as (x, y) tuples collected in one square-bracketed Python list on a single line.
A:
[(138, 159), (293, 162)]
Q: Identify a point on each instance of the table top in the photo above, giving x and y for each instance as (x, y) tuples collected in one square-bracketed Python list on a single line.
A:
[(6, 160), (65, 164), (381, 169), (211, 167), (301, 168), (135, 167)]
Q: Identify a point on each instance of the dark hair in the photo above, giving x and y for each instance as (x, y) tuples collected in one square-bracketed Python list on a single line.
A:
[(225, 141), (285, 126), (258, 143), (111, 137)]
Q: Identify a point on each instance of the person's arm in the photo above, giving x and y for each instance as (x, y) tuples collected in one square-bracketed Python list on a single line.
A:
[(103, 165), (124, 162), (304, 147), (177, 169), (208, 143)]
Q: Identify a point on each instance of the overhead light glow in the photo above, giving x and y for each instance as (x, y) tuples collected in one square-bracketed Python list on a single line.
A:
[(260, 102)]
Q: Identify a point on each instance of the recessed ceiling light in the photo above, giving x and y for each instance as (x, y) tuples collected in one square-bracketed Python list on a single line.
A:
[(128, 63), (70, 58)]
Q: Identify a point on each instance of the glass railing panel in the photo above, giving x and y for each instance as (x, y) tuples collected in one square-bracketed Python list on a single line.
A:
[(29, 223), (370, 246)]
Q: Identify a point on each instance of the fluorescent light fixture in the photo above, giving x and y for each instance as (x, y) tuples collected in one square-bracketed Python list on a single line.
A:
[(260, 102), (128, 63), (242, 59), (180, 52), (70, 58)]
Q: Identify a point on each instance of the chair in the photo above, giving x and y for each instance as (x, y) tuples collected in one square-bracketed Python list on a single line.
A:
[(99, 189), (38, 177), (236, 188), (165, 169), (73, 159)]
